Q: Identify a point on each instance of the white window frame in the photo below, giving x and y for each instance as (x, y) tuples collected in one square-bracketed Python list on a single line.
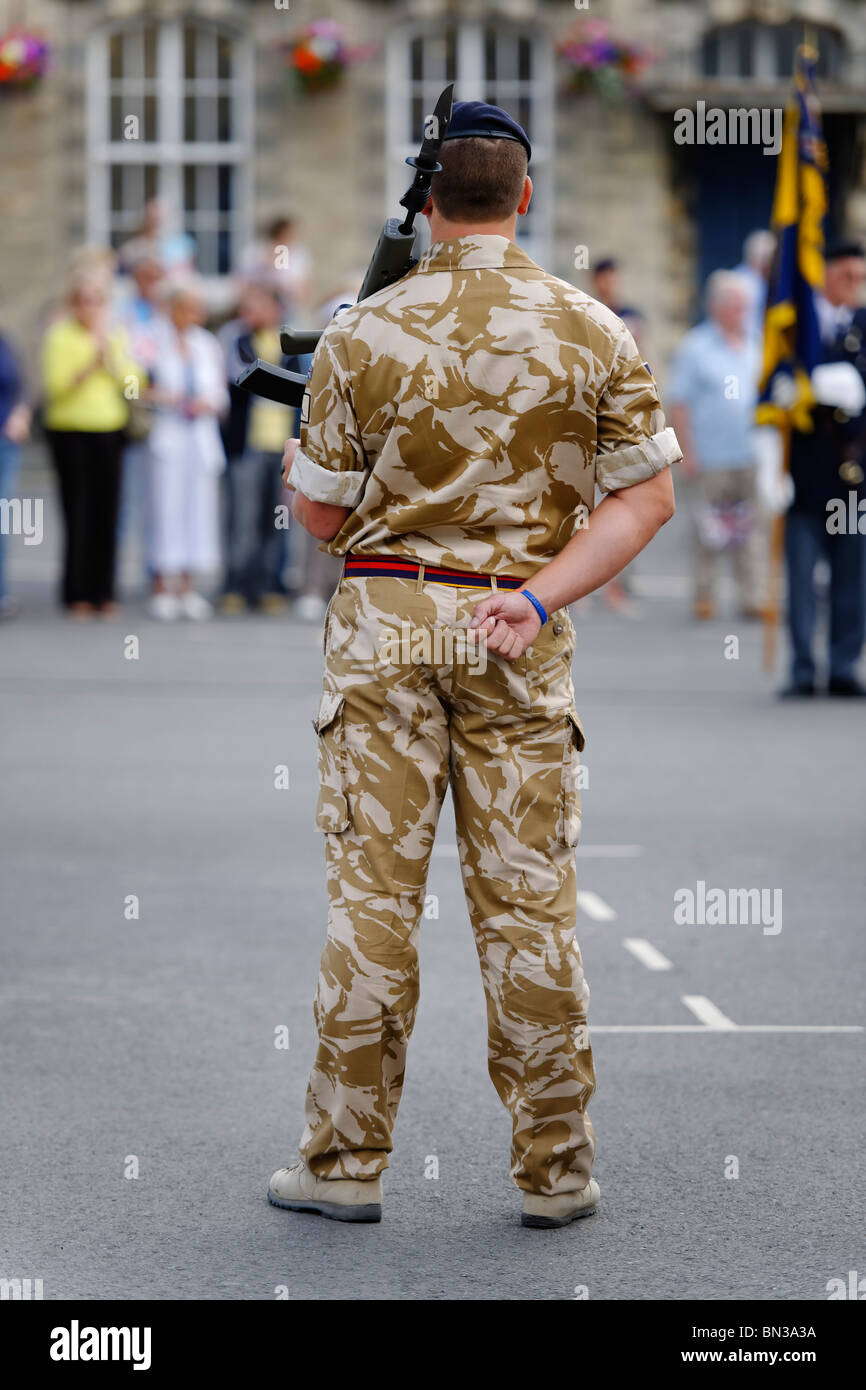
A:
[(470, 86), (764, 52), (170, 152)]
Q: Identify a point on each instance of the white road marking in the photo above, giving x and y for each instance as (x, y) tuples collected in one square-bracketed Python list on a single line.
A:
[(707, 1012), (737, 1028), (647, 954), (449, 851), (594, 906)]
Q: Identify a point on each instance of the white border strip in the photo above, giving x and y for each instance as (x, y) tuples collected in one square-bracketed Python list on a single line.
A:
[(737, 1028)]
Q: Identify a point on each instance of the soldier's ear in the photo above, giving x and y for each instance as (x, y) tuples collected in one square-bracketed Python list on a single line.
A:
[(523, 205), (427, 208)]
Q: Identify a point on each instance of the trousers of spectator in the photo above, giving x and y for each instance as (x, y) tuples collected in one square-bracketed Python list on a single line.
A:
[(89, 466), (254, 490), (132, 508), (183, 507), (806, 542), (720, 487)]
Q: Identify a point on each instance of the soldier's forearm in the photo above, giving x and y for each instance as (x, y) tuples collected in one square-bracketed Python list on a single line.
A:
[(321, 519), (618, 530)]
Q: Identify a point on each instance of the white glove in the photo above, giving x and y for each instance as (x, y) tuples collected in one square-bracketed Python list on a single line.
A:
[(774, 489), (839, 385)]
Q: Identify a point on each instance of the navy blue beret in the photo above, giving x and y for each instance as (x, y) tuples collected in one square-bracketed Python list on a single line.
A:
[(480, 118), (840, 250)]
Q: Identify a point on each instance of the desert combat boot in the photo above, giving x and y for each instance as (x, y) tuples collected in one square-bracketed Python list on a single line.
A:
[(561, 1209), (342, 1199)]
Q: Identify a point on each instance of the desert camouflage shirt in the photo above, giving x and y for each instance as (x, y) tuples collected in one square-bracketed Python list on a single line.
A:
[(467, 413)]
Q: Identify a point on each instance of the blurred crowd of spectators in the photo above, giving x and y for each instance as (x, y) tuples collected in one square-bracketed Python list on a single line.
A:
[(157, 454), (156, 450), (710, 394)]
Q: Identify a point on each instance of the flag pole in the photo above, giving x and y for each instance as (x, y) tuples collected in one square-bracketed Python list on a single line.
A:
[(775, 565)]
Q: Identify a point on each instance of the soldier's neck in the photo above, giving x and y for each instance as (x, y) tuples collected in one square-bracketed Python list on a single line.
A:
[(443, 230)]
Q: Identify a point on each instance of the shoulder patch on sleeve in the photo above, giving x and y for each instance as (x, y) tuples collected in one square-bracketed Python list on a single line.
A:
[(305, 409)]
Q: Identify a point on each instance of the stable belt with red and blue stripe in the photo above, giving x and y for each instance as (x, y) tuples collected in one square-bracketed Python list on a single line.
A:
[(395, 566)]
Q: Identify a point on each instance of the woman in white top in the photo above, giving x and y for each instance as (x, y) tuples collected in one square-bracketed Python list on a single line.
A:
[(185, 456)]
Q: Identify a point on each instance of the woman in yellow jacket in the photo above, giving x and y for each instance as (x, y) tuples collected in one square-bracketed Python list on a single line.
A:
[(88, 377)]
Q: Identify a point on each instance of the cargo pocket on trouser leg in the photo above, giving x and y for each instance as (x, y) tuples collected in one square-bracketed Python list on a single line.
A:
[(569, 820), (332, 808)]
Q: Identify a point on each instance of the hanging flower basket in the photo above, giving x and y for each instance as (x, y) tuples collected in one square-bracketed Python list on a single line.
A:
[(599, 63), (319, 56), (23, 60)]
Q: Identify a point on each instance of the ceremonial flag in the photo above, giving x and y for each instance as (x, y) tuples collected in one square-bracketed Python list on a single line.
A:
[(792, 340)]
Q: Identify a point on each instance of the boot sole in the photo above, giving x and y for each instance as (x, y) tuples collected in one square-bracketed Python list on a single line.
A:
[(549, 1223), (370, 1211)]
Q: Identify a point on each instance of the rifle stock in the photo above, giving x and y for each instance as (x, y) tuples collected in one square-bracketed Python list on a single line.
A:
[(273, 383)]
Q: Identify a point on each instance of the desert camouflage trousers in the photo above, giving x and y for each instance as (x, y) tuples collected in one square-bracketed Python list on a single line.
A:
[(402, 716)]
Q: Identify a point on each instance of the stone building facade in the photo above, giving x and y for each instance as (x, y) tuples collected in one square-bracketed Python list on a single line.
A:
[(224, 135)]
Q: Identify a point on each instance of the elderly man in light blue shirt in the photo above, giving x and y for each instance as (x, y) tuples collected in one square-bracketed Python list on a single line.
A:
[(712, 393)]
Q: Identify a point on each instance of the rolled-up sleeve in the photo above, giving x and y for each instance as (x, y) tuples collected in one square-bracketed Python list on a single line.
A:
[(632, 440), (330, 465)]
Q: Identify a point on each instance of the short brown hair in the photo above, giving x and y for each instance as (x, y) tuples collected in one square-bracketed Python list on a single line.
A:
[(481, 180)]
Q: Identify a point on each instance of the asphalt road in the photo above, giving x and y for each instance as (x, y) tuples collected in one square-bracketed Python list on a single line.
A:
[(153, 1037)]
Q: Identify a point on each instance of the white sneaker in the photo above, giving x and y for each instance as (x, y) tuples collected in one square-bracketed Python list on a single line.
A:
[(309, 608), (194, 606), (165, 607)]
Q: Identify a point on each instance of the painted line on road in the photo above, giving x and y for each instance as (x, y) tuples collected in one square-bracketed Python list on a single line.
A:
[(646, 953), (707, 1012), (447, 850), (594, 906), (735, 1028)]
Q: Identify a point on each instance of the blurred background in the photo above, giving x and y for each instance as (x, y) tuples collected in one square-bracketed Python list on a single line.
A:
[(254, 146), (230, 139)]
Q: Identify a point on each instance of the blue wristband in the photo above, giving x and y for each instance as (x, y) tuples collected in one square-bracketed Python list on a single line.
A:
[(536, 605)]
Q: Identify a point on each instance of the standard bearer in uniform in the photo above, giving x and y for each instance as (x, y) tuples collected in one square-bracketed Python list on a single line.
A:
[(828, 470)]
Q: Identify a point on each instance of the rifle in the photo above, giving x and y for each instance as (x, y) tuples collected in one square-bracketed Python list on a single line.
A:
[(392, 259)]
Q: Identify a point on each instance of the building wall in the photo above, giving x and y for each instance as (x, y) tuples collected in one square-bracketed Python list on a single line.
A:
[(322, 157), (42, 190)]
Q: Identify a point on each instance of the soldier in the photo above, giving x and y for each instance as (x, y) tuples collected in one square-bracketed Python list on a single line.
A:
[(458, 423), (827, 468)]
